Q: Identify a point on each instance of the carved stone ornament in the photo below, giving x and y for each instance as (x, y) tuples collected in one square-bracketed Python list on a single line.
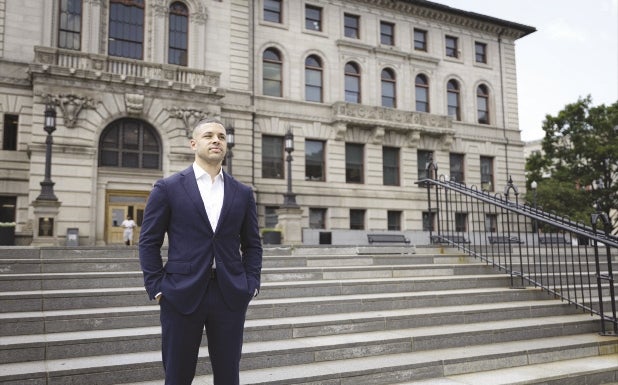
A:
[(134, 103), (189, 117), (71, 106)]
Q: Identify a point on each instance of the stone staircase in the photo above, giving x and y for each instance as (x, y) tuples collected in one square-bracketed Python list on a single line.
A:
[(325, 315)]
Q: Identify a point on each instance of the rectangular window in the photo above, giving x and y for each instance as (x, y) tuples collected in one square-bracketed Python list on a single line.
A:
[(429, 220), (9, 133), (357, 219), (272, 157), (461, 222), (70, 28), (491, 223), (313, 18), (450, 43), (420, 40), (317, 218), (480, 50), (351, 26), (390, 166), (126, 29), (387, 33), (314, 160), (423, 158), (393, 220), (270, 217), (354, 163), (487, 173), (457, 167), (272, 11)]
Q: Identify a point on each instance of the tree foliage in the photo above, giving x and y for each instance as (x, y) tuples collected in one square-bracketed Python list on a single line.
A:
[(580, 153)]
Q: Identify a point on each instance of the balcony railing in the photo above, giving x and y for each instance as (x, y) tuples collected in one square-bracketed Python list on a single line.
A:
[(94, 65)]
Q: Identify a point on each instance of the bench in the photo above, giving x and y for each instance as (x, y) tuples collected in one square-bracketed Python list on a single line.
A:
[(493, 239), (387, 238), (552, 239), (447, 238)]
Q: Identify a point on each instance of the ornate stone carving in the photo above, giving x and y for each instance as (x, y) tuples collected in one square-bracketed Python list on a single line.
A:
[(71, 106), (189, 117), (134, 103), (377, 135)]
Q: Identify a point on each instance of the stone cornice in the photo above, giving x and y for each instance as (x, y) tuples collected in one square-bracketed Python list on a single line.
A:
[(445, 14)]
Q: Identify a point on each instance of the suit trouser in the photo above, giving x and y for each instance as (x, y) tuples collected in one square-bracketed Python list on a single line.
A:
[(182, 335)]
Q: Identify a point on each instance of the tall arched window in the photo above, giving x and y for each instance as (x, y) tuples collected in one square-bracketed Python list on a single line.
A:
[(271, 73), (178, 34), (126, 28), (352, 83), (389, 96), (452, 91), (421, 86), (482, 104), (70, 28), (130, 143), (313, 79)]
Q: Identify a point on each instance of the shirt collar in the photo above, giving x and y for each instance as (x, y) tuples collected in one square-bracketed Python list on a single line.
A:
[(200, 172)]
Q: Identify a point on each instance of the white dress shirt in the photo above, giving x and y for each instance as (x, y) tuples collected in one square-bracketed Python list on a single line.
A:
[(212, 195)]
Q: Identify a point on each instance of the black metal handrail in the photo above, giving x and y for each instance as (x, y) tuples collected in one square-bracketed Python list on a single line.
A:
[(568, 259)]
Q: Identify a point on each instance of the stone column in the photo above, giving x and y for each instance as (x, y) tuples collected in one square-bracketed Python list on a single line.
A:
[(45, 231), (289, 221)]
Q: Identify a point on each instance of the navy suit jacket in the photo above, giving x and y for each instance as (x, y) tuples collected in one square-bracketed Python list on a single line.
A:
[(175, 207)]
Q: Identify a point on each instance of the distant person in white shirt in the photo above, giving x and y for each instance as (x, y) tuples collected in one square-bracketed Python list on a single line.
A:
[(128, 225)]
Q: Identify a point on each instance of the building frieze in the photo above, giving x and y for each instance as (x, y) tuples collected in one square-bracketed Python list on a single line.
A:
[(188, 116), (71, 106)]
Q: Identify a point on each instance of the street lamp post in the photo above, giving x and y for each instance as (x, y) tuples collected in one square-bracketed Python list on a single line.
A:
[(289, 198), (230, 144), (47, 186)]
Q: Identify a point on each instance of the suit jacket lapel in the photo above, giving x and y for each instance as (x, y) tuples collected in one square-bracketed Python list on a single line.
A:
[(190, 185), (229, 192)]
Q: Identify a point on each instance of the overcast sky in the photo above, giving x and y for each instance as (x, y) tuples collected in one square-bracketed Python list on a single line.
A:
[(573, 53)]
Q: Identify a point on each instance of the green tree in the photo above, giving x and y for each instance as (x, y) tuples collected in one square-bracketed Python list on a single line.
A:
[(580, 152)]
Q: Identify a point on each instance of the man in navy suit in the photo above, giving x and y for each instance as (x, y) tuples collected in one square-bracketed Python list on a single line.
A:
[(214, 260)]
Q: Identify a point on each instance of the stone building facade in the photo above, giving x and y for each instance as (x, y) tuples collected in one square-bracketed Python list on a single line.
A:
[(370, 89)]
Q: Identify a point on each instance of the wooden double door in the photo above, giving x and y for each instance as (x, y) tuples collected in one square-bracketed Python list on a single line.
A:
[(121, 204)]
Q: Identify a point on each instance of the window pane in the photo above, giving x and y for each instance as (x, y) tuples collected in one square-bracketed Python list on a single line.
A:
[(487, 174), (130, 143), (423, 157), (420, 40), (272, 11), (357, 219), (351, 26), (178, 34), (457, 167), (272, 157), (354, 154), (313, 18), (9, 133), (387, 33), (126, 28), (451, 46), (394, 220), (69, 31), (314, 160), (390, 166)]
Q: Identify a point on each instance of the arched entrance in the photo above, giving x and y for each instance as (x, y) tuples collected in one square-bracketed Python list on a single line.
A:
[(129, 153)]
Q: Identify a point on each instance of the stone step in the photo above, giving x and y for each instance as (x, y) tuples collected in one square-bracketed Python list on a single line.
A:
[(57, 321), (135, 296), (581, 371), (116, 341), (79, 280), (381, 369), (108, 264)]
